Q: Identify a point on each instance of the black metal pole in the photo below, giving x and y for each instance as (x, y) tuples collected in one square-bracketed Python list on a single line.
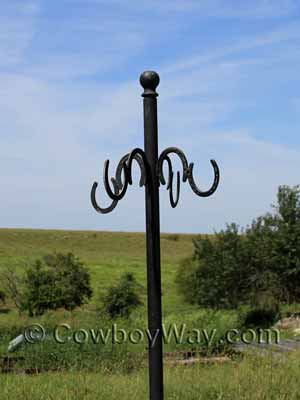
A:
[(150, 80), (151, 167)]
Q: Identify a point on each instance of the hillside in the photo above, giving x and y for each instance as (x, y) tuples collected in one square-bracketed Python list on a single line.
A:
[(92, 246), (107, 254)]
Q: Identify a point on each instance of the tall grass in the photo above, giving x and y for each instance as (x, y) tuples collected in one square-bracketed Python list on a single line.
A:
[(89, 371), (259, 378)]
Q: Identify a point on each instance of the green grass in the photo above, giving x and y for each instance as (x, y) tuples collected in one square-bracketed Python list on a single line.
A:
[(94, 247), (254, 378), (107, 256)]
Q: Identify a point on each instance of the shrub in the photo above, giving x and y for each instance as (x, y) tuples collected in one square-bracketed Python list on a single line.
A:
[(186, 279), (121, 299), (287, 244), (56, 281), (259, 317), (216, 276), (260, 264), (13, 285)]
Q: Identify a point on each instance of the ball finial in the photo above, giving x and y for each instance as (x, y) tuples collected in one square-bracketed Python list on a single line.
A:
[(149, 80)]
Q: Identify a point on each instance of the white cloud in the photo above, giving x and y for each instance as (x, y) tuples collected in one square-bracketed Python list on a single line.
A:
[(52, 153), (286, 34), (56, 129), (94, 54)]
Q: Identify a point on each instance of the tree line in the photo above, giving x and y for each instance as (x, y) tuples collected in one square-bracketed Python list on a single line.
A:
[(258, 265)]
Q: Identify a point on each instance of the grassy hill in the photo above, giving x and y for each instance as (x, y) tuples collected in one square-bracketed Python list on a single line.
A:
[(119, 372), (92, 246), (107, 255)]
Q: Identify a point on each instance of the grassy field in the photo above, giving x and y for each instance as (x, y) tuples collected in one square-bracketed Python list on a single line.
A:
[(254, 378), (108, 255), (94, 247)]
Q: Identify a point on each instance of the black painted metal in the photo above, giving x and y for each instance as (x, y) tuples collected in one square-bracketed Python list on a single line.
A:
[(187, 175), (149, 81), (151, 167)]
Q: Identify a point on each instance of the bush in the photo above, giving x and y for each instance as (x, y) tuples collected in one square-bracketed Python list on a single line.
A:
[(259, 317), (287, 244), (255, 266), (56, 281), (216, 276), (13, 285), (121, 299), (186, 279)]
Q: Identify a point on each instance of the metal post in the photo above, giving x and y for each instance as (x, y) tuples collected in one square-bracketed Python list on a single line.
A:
[(150, 80), (152, 175)]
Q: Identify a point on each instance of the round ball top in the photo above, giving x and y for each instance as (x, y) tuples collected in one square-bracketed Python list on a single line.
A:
[(149, 80)]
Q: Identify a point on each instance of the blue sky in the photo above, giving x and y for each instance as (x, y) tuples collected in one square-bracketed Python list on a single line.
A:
[(70, 98)]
